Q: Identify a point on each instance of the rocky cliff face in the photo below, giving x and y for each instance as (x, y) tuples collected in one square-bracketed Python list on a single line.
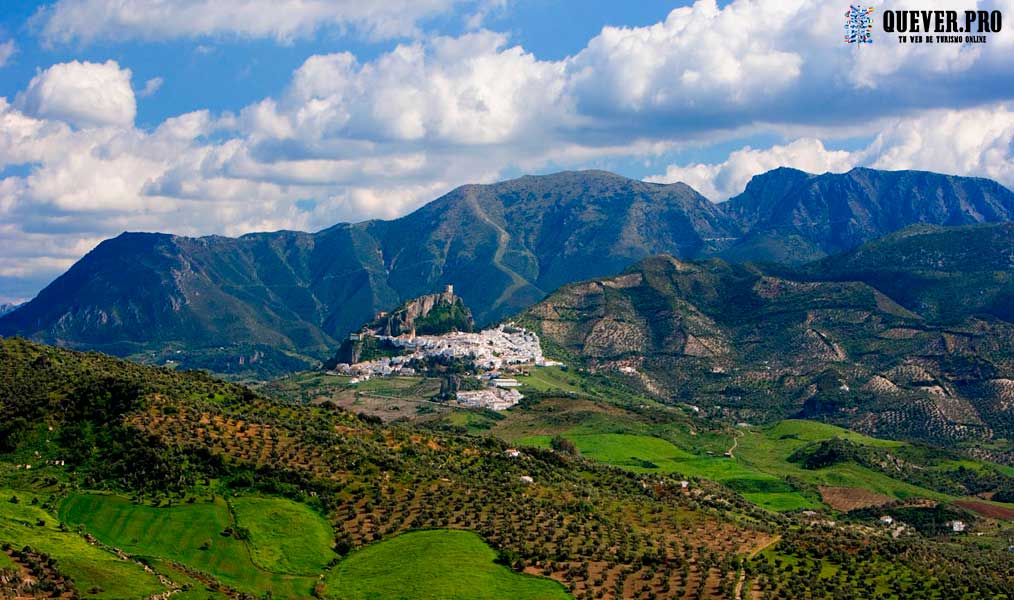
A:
[(432, 314)]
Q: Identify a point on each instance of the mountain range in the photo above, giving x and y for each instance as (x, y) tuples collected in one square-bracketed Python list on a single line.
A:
[(270, 302)]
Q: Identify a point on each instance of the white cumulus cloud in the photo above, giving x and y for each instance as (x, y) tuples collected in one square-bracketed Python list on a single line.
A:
[(701, 58), (350, 138), (473, 89), (83, 94), (972, 142), (721, 181), (977, 141), (707, 69)]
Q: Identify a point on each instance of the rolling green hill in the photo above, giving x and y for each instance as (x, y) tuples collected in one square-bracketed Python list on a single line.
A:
[(286, 545), (766, 464), (164, 465), (93, 572), (432, 565)]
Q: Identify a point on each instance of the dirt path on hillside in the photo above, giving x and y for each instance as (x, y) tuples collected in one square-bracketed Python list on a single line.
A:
[(735, 444), (503, 238), (742, 572)]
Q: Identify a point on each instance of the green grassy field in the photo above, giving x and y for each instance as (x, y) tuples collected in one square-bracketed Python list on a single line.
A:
[(812, 431), (305, 386), (6, 562), (760, 466), (473, 420), (89, 567), (609, 432), (192, 534), (552, 378), (432, 565), (285, 536), (640, 453), (648, 454), (768, 450), (411, 387)]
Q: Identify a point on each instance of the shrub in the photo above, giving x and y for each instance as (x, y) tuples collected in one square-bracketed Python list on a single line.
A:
[(562, 444)]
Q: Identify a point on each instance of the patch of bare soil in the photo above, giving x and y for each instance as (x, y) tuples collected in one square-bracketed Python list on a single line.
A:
[(986, 509), (851, 498)]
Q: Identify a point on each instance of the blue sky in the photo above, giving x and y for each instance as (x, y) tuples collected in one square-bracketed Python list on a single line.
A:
[(229, 72), (228, 116)]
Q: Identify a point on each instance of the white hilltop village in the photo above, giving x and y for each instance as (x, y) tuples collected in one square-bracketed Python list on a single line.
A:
[(501, 350)]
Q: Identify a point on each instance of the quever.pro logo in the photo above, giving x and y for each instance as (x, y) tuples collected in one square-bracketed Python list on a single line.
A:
[(859, 25)]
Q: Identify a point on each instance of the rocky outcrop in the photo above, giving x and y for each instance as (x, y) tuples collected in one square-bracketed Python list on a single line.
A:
[(432, 314)]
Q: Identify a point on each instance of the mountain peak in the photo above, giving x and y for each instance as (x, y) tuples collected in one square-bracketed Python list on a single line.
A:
[(578, 173)]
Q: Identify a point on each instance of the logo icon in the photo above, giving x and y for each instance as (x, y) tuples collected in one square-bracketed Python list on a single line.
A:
[(859, 25)]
